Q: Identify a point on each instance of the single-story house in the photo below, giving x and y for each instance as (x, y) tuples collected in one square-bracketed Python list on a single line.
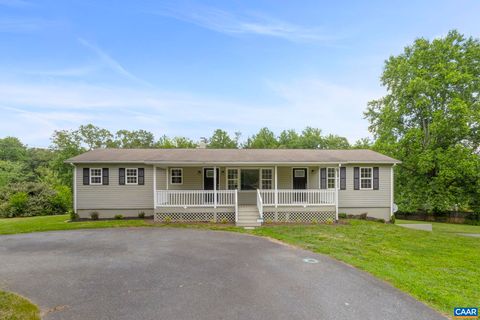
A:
[(245, 186)]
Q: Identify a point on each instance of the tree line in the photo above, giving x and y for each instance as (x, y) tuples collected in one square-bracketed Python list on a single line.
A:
[(429, 119)]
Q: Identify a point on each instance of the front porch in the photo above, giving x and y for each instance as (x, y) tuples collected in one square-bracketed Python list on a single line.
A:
[(279, 205), (246, 196)]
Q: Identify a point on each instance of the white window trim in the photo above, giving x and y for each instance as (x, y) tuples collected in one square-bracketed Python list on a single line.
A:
[(261, 179), (172, 176), (330, 178), (91, 176), (227, 179), (126, 176), (360, 178)]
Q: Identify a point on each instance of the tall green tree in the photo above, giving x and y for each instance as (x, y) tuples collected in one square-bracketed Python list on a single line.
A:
[(221, 140), (289, 139), (135, 139), (65, 144), (312, 138), (333, 141), (430, 119), (95, 137), (264, 139), (12, 149), (176, 142)]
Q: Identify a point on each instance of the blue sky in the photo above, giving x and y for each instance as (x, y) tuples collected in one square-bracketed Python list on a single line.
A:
[(189, 67)]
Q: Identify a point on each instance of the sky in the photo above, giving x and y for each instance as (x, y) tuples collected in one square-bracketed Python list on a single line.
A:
[(186, 68)]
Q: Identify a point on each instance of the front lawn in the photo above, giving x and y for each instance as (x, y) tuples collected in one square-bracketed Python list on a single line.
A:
[(445, 227), (14, 307), (439, 268)]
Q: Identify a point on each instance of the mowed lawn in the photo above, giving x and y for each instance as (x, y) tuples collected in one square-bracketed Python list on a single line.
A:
[(439, 268)]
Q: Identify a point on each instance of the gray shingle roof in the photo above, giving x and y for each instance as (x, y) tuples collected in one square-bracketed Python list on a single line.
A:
[(231, 156)]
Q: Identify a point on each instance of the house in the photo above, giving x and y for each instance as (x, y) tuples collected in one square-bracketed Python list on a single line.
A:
[(245, 186)]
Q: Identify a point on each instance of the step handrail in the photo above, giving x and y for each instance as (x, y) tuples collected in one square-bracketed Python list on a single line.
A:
[(260, 204)]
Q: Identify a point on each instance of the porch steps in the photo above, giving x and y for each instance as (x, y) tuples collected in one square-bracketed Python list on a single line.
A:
[(248, 216)]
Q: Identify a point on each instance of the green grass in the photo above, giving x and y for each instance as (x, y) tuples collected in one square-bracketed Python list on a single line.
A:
[(439, 268), (445, 227), (14, 307), (49, 223)]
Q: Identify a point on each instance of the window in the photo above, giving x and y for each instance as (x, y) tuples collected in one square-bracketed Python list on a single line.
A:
[(95, 176), (299, 173), (209, 173), (366, 178), (131, 175), (249, 179), (232, 179), (331, 173), (267, 175), (176, 175)]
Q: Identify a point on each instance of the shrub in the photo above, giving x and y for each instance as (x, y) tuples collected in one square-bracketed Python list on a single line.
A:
[(18, 204), (73, 215), (94, 215), (34, 199), (392, 219), (141, 215), (362, 216), (329, 221), (342, 216), (224, 220), (314, 221), (167, 219), (118, 217)]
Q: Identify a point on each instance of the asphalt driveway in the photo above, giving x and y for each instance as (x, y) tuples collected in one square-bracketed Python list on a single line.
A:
[(156, 273)]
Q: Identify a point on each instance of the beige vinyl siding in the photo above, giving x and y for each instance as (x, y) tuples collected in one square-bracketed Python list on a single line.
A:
[(115, 196), (350, 198)]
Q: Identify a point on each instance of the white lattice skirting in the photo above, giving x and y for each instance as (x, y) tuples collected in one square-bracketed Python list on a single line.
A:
[(292, 216), (221, 217)]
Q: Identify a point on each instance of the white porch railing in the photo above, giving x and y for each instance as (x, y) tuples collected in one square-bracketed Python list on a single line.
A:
[(196, 198), (260, 204), (298, 197)]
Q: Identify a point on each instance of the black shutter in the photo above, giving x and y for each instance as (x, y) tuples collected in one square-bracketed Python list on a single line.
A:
[(121, 176), (375, 178), (105, 176), (323, 178), (356, 178), (343, 178), (141, 176), (86, 176)]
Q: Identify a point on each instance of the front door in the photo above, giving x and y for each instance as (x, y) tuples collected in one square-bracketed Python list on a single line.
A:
[(208, 179), (299, 178), (299, 182)]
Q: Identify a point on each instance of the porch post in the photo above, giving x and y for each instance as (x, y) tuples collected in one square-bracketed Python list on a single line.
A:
[(337, 185), (215, 187), (166, 176), (154, 187), (276, 188)]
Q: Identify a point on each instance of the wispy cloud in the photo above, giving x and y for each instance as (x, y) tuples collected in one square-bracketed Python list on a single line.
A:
[(235, 24), (66, 104), (111, 63)]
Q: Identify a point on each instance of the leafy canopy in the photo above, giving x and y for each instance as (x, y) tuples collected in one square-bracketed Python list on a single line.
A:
[(430, 119)]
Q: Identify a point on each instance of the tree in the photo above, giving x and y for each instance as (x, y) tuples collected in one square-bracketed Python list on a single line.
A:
[(95, 137), (289, 139), (430, 119), (176, 142), (134, 139), (221, 140), (264, 139), (333, 141), (312, 139), (12, 149), (65, 144), (363, 143)]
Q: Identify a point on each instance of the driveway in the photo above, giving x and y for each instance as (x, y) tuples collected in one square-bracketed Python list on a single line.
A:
[(157, 273)]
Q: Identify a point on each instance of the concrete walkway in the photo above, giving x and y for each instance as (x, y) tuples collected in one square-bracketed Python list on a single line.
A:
[(153, 273), (417, 226)]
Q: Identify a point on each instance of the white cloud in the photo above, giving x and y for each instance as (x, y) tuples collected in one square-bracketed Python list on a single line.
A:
[(229, 23), (111, 63), (33, 111)]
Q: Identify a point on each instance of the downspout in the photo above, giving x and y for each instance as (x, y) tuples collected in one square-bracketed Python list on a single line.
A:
[(74, 188)]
